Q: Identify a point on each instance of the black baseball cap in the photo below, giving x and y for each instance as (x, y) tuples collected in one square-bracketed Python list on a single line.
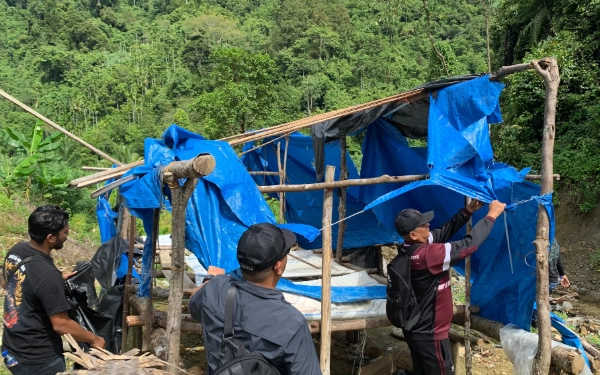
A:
[(409, 219), (263, 245)]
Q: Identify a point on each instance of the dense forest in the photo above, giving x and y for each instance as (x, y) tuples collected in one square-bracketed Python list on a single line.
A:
[(117, 71)]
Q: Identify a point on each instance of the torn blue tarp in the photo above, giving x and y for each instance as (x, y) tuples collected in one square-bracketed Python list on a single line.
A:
[(460, 157), (106, 218), (221, 208)]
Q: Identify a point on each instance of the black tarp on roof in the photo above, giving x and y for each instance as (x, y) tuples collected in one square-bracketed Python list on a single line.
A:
[(409, 118)]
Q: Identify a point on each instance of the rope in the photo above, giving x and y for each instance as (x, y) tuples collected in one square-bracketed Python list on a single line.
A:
[(339, 221), (508, 242)]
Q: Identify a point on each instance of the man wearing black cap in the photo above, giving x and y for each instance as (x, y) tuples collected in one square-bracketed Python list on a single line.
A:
[(263, 320), (431, 257)]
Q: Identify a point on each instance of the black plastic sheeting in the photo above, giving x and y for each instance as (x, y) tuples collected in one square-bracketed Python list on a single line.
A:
[(409, 118), (85, 309)]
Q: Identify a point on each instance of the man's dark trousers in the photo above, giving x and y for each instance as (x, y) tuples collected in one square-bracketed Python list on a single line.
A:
[(58, 365), (431, 357)]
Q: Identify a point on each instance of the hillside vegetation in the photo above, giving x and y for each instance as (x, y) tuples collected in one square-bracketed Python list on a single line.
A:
[(115, 72)]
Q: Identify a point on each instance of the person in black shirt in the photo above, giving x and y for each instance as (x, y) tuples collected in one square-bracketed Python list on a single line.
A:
[(35, 306)]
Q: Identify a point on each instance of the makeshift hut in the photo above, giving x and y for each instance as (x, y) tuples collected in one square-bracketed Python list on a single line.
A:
[(215, 196)]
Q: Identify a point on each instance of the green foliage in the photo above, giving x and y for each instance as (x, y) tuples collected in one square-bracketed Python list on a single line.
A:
[(115, 72), (567, 30)]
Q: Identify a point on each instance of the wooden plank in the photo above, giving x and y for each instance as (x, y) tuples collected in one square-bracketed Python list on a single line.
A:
[(165, 261)]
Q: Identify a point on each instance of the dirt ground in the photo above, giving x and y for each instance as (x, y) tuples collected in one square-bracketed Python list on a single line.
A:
[(578, 235)]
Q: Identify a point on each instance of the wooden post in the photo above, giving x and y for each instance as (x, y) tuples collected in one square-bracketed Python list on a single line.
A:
[(55, 126), (180, 196), (325, 356), (124, 329), (285, 156), (201, 165), (467, 341), (125, 226), (342, 207), (281, 181), (548, 69), (149, 305)]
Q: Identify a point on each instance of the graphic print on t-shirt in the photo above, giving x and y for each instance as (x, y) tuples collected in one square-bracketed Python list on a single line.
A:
[(14, 294)]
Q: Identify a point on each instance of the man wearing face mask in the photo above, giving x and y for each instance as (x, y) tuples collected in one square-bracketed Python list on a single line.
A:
[(263, 321), (431, 256)]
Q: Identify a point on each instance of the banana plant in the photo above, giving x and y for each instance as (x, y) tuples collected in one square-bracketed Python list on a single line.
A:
[(34, 151)]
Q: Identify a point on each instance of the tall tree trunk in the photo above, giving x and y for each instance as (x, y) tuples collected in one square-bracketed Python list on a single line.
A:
[(548, 69)]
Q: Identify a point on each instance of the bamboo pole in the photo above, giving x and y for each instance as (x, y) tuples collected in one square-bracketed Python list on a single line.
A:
[(325, 357), (94, 169), (467, 336), (108, 172), (339, 184), (342, 207), (124, 329), (57, 127), (548, 69)]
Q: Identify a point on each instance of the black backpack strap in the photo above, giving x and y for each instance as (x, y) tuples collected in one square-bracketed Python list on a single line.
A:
[(22, 262), (228, 322)]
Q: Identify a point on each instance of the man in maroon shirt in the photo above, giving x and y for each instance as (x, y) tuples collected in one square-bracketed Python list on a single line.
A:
[(431, 258)]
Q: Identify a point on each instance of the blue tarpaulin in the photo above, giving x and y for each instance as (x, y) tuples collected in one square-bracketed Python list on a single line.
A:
[(459, 162)]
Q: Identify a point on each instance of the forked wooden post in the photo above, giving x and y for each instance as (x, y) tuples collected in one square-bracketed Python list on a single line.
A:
[(325, 356), (548, 69), (202, 165)]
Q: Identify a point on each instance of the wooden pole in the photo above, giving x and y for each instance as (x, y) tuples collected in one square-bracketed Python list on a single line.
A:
[(342, 207), (94, 169), (180, 196), (510, 69), (60, 129), (339, 184), (281, 182), (325, 356), (124, 329), (385, 179), (109, 172), (285, 156), (147, 338), (548, 69), (467, 337)]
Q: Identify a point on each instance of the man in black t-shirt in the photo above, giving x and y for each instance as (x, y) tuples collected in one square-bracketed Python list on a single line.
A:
[(35, 307)]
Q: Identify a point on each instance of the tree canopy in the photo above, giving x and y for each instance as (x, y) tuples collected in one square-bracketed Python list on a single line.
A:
[(117, 71)]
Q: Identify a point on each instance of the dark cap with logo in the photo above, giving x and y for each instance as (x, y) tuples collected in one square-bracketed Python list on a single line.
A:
[(409, 219), (263, 245)]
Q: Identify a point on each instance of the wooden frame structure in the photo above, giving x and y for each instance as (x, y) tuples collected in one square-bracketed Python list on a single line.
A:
[(167, 342)]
